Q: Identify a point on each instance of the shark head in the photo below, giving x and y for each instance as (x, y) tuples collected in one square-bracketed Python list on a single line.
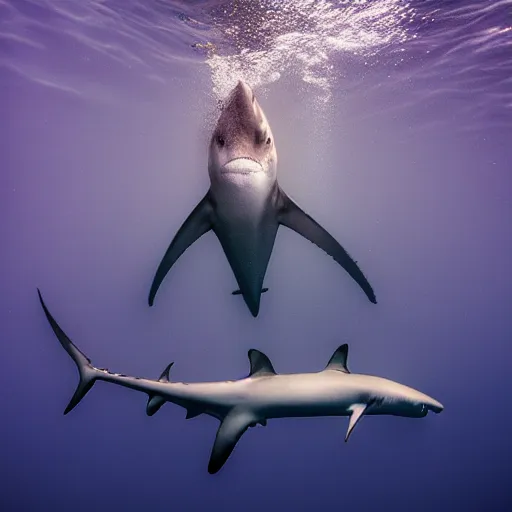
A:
[(405, 401), (384, 396), (242, 142)]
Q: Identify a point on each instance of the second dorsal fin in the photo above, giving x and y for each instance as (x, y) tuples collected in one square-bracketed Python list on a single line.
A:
[(156, 401), (260, 364), (164, 376), (338, 360)]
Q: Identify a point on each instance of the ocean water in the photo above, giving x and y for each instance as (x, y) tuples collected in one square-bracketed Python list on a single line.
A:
[(393, 126)]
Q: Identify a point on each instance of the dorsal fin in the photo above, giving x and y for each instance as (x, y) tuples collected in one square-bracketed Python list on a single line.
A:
[(156, 401), (260, 364), (338, 360), (164, 376)]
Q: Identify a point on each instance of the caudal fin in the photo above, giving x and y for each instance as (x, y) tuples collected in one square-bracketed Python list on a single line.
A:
[(83, 363)]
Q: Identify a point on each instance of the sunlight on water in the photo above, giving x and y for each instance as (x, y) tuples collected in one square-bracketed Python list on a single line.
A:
[(111, 51), (271, 38)]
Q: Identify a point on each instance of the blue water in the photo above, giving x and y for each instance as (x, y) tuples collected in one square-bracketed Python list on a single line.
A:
[(393, 123)]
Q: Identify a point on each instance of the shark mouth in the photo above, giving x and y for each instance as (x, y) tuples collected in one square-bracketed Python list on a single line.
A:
[(436, 408), (243, 165), (426, 408)]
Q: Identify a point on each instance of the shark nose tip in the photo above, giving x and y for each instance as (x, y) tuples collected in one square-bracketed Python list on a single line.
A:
[(243, 86), (436, 407)]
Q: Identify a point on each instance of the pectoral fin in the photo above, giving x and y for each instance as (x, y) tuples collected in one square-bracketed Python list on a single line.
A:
[(357, 413), (293, 217), (230, 431), (196, 225)]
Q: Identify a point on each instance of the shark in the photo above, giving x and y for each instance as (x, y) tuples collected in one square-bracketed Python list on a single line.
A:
[(262, 395), (245, 205)]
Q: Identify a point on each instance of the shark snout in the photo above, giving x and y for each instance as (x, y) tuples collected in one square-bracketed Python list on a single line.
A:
[(243, 94), (432, 405), (435, 406), (243, 87)]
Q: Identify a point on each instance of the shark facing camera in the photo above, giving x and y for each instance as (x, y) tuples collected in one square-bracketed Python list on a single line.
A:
[(262, 395), (245, 205)]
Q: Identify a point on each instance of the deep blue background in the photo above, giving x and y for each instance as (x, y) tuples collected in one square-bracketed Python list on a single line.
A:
[(105, 122)]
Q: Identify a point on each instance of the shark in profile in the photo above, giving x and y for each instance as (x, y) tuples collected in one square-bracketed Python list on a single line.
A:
[(245, 206), (262, 395)]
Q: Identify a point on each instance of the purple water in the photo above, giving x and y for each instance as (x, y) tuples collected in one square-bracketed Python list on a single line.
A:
[(393, 125)]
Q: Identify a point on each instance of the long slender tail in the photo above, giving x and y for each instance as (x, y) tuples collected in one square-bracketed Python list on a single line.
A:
[(87, 372)]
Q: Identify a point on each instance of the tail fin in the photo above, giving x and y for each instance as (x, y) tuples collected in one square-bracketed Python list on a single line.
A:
[(83, 363), (156, 401)]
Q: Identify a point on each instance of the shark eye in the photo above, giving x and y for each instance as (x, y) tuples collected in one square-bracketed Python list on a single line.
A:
[(269, 140), (220, 141)]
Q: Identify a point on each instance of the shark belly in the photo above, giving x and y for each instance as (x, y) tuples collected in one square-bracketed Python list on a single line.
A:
[(246, 226), (212, 398)]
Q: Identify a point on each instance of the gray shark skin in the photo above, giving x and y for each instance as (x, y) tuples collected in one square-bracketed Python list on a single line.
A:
[(245, 205), (262, 395)]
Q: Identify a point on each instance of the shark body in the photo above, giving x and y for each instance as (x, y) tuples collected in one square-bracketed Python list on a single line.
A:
[(262, 395), (245, 205)]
